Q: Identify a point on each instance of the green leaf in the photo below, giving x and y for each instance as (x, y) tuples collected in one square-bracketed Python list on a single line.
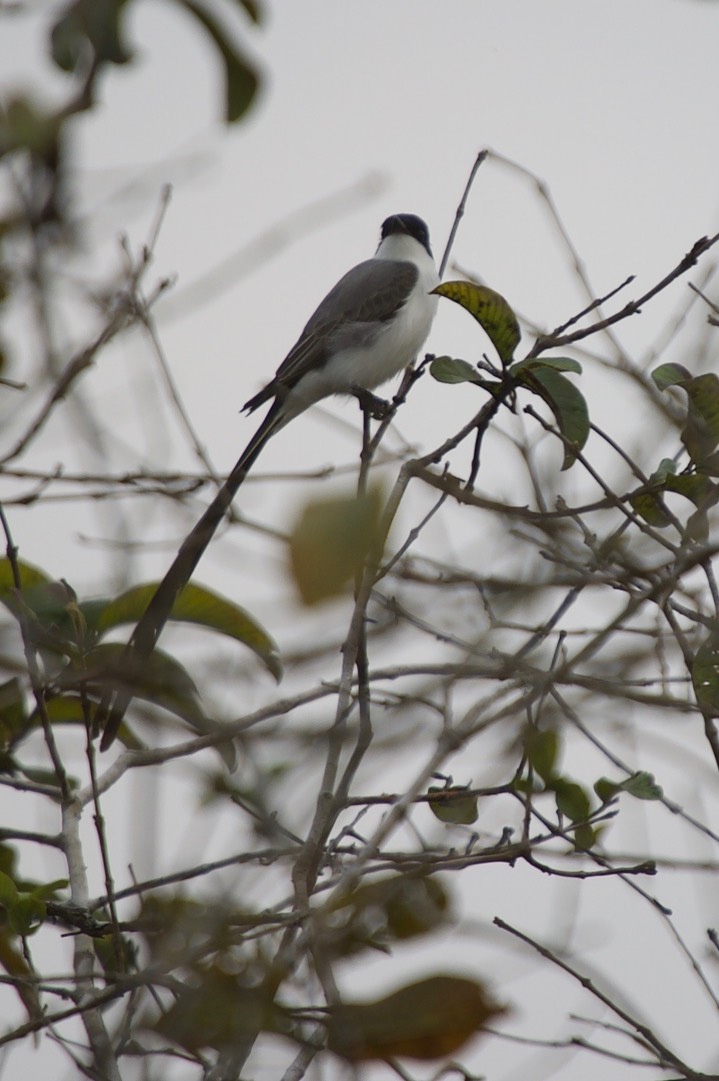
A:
[(647, 500), (241, 79), (45, 777), (450, 370), (8, 891), (542, 749), (700, 435), (696, 528), (572, 800), (23, 125), (642, 785), (557, 364), (13, 714), (491, 311), (701, 432), (696, 487), (584, 837), (30, 578), (651, 507), (453, 805), (566, 402), (26, 915), (89, 29), (330, 543), (705, 675), (196, 604), (606, 790), (670, 375), (217, 1011), (377, 913), (159, 679)]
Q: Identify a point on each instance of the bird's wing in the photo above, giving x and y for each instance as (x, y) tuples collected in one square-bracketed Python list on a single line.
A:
[(352, 313)]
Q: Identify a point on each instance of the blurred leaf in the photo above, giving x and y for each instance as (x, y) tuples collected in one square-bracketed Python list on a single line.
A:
[(584, 837), (453, 805), (696, 528), (219, 1012), (26, 126), (89, 29), (196, 604), (542, 747), (241, 79), (46, 777), (451, 370), (426, 1020), (253, 9), (700, 435), (647, 501), (30, 577), (14, 721), (670, 375), (8, 891), (705, 675), (176, 927), (330, 543), (696, 487), (393, 908), (566, 402), (641, 785), (572, 800), (115, 962), (54, 628), (701, 432), (159, 679), (8, 860), (12, 960), (606, 790), (26, 915), (651, 507), (491, 311), (48, 891)]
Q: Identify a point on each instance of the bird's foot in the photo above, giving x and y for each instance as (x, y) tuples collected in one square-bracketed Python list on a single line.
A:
[(377, 408)]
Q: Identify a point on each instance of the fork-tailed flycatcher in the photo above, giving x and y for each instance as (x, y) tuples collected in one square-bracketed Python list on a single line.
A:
[(369, 327)]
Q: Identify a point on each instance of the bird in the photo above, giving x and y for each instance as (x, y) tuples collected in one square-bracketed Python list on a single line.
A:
[(370, 326)]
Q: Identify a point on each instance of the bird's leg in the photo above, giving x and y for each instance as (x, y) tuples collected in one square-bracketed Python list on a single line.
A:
[(377, 408)]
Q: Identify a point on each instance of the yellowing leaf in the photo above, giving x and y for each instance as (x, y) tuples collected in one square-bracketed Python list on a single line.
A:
[(427, 1020), (491, 311), (330, 543)]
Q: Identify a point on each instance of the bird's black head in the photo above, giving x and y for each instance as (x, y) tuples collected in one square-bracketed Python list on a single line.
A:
[(409, 224)]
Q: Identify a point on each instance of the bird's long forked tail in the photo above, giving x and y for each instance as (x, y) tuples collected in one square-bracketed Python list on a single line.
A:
[(115, 700)]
